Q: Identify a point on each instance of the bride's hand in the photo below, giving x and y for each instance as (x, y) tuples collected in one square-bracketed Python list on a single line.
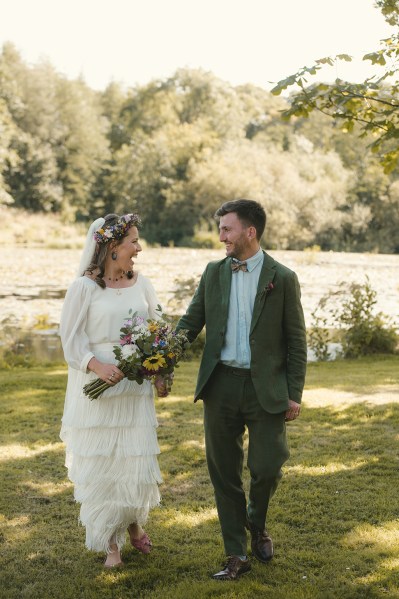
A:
[(106, 372)]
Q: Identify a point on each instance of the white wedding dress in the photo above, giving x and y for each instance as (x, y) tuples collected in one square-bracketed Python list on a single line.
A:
[(111, 442)]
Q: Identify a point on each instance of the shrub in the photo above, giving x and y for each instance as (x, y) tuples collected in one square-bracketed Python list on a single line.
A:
[(361, 331), (183, 292), (319, 336), (365, 332)]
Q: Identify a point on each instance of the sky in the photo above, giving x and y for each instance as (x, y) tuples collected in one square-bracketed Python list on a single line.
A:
[(241, 41)]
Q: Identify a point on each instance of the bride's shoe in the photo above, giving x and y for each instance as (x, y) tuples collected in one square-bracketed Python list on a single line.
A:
[(143, 545)]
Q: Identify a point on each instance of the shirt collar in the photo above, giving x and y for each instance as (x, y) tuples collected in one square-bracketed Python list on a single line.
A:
[(254, 260)]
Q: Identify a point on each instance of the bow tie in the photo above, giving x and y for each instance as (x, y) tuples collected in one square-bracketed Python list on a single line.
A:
[(236, 265)]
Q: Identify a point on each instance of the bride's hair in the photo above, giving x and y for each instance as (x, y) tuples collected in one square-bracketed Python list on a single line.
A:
[(100, 253)]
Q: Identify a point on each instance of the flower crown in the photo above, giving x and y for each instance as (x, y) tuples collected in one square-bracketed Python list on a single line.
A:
[(118, 230)]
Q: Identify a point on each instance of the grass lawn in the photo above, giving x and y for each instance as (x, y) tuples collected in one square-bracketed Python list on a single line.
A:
[(334, 518)]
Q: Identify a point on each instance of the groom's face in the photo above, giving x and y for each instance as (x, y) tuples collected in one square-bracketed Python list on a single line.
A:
[(235, 236)]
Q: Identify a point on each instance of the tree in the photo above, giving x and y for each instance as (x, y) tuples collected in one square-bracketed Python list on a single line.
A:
[(7, 154), (58, 143), (29, 169), (32, 175), (151, 174), (302, 189), (83, 148), (373, 104)]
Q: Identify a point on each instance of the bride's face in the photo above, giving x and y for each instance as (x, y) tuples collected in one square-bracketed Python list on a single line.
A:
[(128, 249)]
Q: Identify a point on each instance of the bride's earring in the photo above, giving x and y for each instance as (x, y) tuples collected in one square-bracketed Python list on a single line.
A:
[(114, 255)]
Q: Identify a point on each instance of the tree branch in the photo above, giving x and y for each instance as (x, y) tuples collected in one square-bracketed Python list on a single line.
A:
[(363, 96)]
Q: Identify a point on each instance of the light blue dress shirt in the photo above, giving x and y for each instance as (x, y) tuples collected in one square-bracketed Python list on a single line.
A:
[(236, 350)]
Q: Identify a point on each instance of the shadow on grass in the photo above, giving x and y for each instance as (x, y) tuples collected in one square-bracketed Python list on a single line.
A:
[(333, 519)]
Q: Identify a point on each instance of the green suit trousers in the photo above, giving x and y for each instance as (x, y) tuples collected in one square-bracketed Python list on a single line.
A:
[(230, 406)]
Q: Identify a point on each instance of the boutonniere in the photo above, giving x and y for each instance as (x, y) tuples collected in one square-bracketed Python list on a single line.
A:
[(269, 287)]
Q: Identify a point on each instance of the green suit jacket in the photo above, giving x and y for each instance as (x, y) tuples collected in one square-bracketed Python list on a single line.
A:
[(277, 333)]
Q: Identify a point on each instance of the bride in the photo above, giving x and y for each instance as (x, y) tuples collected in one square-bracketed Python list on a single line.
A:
[(111, 443)]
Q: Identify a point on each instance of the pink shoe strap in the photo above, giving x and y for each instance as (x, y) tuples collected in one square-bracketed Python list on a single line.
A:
[(144, 544)]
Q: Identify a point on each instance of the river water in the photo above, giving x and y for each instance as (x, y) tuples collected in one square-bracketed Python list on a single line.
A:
[(34, 280)]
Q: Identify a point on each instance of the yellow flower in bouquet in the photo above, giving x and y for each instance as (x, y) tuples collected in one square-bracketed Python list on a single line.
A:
[(154, 362)]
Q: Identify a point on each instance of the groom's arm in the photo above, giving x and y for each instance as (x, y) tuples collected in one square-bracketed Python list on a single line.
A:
[(194, 319), (294, 325)]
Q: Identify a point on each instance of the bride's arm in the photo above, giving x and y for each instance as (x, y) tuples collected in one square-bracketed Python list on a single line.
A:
[(75, 342)]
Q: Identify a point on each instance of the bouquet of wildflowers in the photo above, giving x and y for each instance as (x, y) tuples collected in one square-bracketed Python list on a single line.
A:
[(147, 348)]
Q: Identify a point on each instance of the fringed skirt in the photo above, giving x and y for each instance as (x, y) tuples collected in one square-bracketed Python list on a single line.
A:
[(111, 454)]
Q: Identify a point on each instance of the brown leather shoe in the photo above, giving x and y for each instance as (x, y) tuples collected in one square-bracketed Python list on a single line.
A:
[(233, 568), (261, 544)]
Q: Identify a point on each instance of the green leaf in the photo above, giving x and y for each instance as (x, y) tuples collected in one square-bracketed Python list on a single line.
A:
[(345, 57), (348, 126), (375, 58), (327, 60)]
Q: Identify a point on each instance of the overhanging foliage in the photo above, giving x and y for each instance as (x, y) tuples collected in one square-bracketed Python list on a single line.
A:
[(373, 104)]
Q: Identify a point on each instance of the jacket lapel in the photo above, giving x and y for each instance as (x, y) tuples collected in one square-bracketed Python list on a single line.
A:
[(225, 286), (265, 278)]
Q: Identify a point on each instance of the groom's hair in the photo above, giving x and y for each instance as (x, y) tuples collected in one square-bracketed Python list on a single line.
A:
[(249, 212)]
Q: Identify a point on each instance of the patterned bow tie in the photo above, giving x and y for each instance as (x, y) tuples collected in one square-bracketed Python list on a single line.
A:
[(236, 265)]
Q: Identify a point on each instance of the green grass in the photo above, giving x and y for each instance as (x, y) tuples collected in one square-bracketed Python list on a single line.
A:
[(354, 375), (334, 518)]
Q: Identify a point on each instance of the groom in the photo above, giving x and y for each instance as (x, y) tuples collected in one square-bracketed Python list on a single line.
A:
[(252, 375)]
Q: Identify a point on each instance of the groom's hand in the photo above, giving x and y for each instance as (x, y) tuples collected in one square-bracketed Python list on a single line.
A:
[(293, 410)]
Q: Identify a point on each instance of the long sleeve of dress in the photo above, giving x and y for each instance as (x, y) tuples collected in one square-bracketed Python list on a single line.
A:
[(75, 342)]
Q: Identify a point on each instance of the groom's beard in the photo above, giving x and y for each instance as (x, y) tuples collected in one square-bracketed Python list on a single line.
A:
[(237, 249)]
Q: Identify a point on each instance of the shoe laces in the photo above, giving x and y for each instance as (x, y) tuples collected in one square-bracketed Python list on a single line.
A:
[(231, 561)]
